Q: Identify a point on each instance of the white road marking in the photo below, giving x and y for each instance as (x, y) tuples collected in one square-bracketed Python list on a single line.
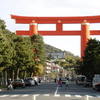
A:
[(46, 95), (4, 95), (56, 91), (25, 95), (98, 96), (14, 95), (34, 96), (78, 95), (90, 96), (67, 95), (57, 95)]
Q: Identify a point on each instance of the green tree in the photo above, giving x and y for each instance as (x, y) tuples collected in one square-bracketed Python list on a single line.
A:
[(22, 53), (6, 53), (38, 50), (11, 68), (89, 59), (29, 64), (2, 25), (97, 64)]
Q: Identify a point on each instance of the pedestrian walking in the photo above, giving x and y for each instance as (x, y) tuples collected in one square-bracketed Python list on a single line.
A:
[(39, 80), (67, 84), (60, 83), (55, 80)]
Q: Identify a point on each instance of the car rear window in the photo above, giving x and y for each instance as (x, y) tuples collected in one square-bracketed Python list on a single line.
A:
[(18, 80)]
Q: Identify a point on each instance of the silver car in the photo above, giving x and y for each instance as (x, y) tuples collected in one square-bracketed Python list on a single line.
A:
[(63, 81)]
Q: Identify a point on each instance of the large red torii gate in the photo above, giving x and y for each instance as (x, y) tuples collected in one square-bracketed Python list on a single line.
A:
[(59, 21)]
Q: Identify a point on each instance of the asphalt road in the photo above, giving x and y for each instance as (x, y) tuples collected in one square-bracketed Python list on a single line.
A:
[(50, 91)]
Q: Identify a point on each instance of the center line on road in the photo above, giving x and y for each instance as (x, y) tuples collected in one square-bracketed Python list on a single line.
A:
[(56, 95), (56, 91)]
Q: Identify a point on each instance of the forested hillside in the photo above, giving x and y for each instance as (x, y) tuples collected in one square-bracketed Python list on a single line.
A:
[(50, 48)]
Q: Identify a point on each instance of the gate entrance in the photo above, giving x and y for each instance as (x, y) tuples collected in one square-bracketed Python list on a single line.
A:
[(85, 32)]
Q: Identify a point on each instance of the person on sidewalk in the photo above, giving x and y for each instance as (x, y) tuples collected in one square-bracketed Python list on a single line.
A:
[(67, 84)]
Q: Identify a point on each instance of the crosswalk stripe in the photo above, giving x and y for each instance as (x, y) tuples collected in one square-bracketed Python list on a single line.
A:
[(34, 96), (78, 95), (25, 95), (4, 95), (98, 96), (89, 96), (67, 95), (14, 95), (57, 95), (46, 95)]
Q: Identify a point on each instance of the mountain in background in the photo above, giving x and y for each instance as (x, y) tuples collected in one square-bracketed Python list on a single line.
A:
[(50, 48)]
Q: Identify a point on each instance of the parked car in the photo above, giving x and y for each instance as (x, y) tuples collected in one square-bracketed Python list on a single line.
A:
[(87, 82), (96, 82), (80, 79), (29, 78), (29, 82), (63, 81), (18, 83)]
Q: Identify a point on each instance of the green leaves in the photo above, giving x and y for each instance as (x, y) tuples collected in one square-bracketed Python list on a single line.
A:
[(2, 24), (90, 64), (38, 44)]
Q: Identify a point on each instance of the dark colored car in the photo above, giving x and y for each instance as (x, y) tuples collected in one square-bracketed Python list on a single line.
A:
[(87, 82), (18, 83)]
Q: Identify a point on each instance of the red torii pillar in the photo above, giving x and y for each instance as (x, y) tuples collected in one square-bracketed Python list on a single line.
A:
[(33, 29), (84, 20), (85, 35)]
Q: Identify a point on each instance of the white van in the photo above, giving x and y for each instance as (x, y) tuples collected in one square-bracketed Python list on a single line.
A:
[(80, 79)]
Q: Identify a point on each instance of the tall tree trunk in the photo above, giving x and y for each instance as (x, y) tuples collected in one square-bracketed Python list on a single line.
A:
[(13, 75), (17, 76), (24, 74), (31, 74), (5, 77)]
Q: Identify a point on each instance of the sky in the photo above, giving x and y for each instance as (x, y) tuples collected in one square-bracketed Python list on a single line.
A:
[(49, 8)]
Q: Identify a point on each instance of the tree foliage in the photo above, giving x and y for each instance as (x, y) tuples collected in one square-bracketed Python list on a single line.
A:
[(16, 55), (2, 24), (90, 63), (38, 49)]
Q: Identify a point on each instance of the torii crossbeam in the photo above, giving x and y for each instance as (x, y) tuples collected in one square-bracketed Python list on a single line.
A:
[(59, 21)]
